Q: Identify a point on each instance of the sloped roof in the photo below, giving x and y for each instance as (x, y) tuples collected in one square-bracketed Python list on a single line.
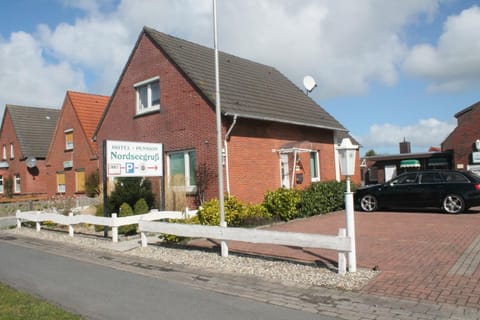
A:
[(34, 128), (248, 89), (89, 109), (467, 109)]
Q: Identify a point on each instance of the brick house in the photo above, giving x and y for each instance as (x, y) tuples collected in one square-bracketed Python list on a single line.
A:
[(72, 154), (273, 134), (25, 135), (462, 140)]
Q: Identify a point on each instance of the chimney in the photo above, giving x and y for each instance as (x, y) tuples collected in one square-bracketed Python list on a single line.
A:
[(405, 146)]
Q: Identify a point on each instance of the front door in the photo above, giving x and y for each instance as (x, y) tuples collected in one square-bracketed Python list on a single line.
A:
[(284, 172)]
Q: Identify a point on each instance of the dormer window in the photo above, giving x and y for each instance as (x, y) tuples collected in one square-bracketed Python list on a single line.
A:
[(148, 95)]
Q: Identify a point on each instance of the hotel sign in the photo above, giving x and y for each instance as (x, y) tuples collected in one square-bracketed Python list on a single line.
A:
[(134, 159)]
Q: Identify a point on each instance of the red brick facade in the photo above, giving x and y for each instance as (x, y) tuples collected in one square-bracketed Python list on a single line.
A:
[(463, 137), (32, 181), (186, 121), (81, 160)]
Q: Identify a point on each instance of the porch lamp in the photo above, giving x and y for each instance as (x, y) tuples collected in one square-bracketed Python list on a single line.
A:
[(477, 144), (347, 152)]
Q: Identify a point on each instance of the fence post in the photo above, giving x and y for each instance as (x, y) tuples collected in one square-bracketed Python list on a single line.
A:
[(70, 226), (144, 239), (114, 228), (19, 222), (37, 224), (342, 256)]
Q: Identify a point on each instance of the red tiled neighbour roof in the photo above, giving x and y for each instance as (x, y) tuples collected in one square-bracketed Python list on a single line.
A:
[(89, 109)]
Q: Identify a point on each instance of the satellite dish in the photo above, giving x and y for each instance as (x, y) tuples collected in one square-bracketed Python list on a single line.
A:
[(31, 162), (309, 83)]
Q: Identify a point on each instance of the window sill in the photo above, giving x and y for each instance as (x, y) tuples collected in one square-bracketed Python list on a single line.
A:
[(147, 112), (186, 190)]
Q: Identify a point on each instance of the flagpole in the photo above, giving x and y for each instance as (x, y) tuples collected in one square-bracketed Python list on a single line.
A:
[(221, 200)]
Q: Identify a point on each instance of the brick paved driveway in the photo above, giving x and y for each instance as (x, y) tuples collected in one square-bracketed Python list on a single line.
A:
[(425, 256)]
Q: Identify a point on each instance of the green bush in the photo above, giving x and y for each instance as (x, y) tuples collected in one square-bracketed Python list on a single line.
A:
[(237, 214), (171, 238), (282, 203), (129, 190), (125, 211), (209, 213), (322, 197), (256, 215), (141, 207)]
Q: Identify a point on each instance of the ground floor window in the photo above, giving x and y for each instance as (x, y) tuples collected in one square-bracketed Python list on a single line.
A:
[(1, 184), (80, 180), (314, 166), (17, 188), (61, 182), (181, 170)]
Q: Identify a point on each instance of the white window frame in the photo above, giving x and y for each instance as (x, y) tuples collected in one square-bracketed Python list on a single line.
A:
[(315, 176), (186, 160), (147, 84), (12, 151), (4, 152), (2, 185), (17, 184)]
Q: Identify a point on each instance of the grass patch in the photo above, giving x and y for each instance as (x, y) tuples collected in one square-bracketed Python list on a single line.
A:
[(18, 305)]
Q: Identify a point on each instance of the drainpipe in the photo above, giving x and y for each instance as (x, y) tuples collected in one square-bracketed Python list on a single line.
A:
[(227, 137)]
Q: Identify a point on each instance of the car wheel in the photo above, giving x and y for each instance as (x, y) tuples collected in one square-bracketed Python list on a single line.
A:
[(453, 203), (369, 203)]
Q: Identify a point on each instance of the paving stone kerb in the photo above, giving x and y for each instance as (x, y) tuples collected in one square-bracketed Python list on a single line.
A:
[(431, 257)]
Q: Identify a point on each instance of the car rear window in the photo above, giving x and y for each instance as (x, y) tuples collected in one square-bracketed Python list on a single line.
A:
[(455, 177)]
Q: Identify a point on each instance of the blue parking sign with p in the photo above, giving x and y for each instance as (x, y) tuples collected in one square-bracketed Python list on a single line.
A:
[(130, 167)]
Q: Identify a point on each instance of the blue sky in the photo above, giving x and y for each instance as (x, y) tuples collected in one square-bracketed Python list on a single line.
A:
[(387, 70)]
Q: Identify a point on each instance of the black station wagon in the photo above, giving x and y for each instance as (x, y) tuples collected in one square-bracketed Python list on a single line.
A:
[(453, 191)]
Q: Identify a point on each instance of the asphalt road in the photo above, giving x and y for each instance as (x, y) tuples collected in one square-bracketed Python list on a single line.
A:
[(100, 292)]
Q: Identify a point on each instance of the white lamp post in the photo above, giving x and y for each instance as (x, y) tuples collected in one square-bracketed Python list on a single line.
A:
[(347, 152)]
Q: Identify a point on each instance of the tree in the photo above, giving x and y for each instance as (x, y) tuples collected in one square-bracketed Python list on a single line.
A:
[(370, 153), (130, 190), (92, 184)]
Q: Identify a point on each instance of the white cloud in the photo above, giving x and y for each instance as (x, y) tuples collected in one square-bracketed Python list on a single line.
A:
[(422, 135), (453, 64), (344, 45), (27, 79)]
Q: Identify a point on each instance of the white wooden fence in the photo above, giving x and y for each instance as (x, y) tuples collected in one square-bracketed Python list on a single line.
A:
[(146, 224), (340, 243), (113, 222)]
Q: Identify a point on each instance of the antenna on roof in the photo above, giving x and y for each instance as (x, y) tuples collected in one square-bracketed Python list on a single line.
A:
[(309, 84)]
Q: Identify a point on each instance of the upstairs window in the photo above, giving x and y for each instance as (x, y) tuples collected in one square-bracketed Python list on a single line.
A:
[(12, 151), (4, 152), (68, 139), (148, 95)]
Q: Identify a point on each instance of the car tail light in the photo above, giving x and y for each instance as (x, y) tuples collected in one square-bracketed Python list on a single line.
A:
[(477, 186)]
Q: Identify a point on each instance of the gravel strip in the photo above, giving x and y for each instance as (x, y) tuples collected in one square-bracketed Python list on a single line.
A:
[(287, 272)]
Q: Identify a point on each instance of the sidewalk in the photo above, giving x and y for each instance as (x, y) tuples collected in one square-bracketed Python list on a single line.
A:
[(425, 257)]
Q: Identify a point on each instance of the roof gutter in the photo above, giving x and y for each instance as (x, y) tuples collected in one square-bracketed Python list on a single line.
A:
[(225, 143), (289, 122)]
